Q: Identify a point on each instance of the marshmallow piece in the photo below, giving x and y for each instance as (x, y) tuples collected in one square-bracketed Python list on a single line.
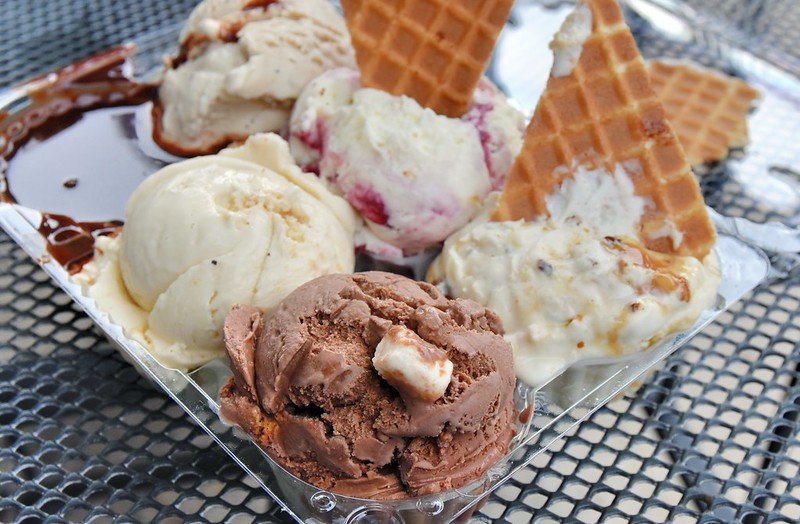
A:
[(411, 365)]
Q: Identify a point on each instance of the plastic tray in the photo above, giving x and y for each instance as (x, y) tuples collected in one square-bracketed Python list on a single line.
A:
[(559, 405)]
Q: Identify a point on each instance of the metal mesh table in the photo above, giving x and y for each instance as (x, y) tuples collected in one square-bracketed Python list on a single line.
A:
[(711, 436)]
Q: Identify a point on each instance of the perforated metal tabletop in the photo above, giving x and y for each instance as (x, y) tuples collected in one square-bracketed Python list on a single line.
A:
[(712, 436)]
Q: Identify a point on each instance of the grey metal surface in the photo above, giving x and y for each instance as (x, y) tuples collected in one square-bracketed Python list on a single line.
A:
[(82, 436), (712, 436)]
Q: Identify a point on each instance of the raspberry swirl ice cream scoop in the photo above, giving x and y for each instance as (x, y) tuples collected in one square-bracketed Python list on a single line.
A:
[(414, 175)]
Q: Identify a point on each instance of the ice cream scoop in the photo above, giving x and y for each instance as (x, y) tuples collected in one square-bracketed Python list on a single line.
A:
[(241, 65), (246, 225), (415, 176), (317, 385), (577, 285)]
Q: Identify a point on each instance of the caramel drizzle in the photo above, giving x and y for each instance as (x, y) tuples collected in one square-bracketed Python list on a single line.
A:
[(666, 267)]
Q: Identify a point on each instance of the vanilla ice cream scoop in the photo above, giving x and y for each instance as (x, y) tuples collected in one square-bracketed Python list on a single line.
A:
[(244, 226), (576, 285), (241, 67), (415, 176)]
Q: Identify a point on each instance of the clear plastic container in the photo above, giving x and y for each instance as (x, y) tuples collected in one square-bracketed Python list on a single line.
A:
[(555, 407)]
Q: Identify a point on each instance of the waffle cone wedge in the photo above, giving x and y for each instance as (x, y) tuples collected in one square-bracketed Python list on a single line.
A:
[(433, 51), (708, 110), (604, 113)]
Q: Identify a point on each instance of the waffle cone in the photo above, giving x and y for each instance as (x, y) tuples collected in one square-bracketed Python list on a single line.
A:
[(433, 51), (605, 114), (707, 110)]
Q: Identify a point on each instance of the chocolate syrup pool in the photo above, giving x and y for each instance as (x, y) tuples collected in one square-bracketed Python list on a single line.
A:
[(86, 170), (78, 149)]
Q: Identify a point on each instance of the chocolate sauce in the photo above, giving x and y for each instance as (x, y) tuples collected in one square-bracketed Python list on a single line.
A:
[(78, 123), (259, 4), (71, 243), (525, 415)]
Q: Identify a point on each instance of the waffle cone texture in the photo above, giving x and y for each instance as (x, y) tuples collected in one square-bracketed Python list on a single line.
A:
[(433, 51), (707, 109), (605, 114)]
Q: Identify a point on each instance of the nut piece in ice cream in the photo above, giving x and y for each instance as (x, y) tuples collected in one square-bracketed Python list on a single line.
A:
[(304, 386), (412, 366), (246, 225), (241, 66)]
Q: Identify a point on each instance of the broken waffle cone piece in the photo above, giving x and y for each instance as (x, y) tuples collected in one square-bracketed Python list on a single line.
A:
[(707, 109), (599, 110), (433, 51)]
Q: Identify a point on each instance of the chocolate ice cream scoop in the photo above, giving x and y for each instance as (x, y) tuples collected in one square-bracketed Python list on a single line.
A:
[(436, 416)]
